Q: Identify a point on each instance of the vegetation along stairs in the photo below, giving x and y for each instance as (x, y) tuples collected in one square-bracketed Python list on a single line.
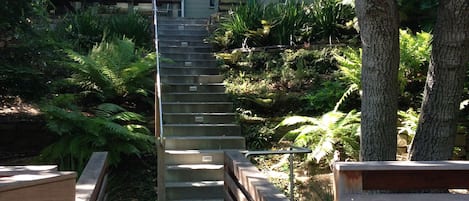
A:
[(198, 122)]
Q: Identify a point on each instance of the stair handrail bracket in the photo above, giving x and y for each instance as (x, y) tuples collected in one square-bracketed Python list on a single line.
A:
[(158, 105)]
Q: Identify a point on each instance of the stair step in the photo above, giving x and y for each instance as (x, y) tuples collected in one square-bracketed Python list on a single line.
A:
[(184, 47), (191, 118), (189, 56), (176, 157), (189, 71), (202, 88), (182, 37), (195, 97), (181, 21), (177, 42), (182, 26), (205, 143), (181, 30), (193, 173), (189, 107), (192, 79), (211, 63), (201, 130), (194, 190)]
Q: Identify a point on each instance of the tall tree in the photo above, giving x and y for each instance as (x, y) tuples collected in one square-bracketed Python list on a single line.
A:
[(434, 139), (379, 31)]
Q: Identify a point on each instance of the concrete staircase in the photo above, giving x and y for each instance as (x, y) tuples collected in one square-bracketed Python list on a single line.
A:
[(198, 119)]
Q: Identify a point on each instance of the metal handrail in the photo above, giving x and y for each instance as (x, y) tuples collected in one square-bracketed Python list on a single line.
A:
[(292, 150), (158, 106)]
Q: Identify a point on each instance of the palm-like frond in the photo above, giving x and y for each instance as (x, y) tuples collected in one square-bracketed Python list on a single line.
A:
[(333, 130)]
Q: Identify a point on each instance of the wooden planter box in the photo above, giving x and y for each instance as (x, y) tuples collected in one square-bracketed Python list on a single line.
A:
[(36, 183)]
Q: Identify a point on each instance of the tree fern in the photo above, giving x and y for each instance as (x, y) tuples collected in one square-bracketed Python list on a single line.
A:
[(332, 131), (108, 128)]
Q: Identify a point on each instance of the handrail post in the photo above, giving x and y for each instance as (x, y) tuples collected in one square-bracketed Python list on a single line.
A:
[(292, 176), (292, 150)]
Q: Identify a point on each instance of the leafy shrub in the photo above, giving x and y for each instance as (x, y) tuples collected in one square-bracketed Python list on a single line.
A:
[(332, 131), (290, 23), (319, 100), (414, 53), (330, 18), (86, 28), (108, 127), (114, 71)]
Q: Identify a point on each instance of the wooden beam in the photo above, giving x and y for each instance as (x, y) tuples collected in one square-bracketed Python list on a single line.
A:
[(91, 179)]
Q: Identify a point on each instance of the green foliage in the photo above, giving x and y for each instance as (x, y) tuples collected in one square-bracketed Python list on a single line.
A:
[(114, 71), (415, 53), (86, 28), (415, 56), (332, 131), (108, 127), (418, 15), (290, 23), (31, 57), (319, 100), (330, 18), (408, 121)]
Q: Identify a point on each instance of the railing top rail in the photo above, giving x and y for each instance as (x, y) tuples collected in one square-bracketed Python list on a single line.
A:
[(293, 150), (158, 104)]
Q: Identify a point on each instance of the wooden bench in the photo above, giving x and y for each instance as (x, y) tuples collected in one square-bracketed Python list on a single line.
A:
[(244, 182), (361, 180), (92, 182)]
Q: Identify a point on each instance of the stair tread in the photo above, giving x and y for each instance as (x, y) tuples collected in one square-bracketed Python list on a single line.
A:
[(194, 184), (207, 125), (197, 151), (203, 137), (195, 167), (200, 113)]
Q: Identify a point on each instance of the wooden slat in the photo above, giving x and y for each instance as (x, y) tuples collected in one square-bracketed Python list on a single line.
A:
[(253, 181), (90, 181), (407, 197), (236, 190)]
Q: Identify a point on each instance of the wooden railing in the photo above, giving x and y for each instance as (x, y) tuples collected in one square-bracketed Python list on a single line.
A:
[(92, 182), (244, 182), (378, 180)]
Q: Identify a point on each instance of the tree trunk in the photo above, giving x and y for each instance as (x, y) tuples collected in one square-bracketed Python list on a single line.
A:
[(379, 31), (434, 139)]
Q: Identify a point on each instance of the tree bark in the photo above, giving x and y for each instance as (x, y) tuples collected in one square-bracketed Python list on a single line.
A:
[(436, 131), (379, 31)]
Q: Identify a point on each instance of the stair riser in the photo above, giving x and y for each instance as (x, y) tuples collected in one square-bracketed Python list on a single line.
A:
[(182, 37), (191, 63), (192, 175), (195, 193), (182, 27), (194, 158), (193, 88), (189, 56), (201, 130), (175, 31), (167, 43), (209, 144), (192, 119), (180, 49), (195, 97), (189, 71), (192, 79), (189, 108), (181, 21)]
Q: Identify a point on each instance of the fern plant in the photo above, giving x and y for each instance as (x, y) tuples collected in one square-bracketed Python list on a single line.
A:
[(108, 127), (114, 71), (332, 131)]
